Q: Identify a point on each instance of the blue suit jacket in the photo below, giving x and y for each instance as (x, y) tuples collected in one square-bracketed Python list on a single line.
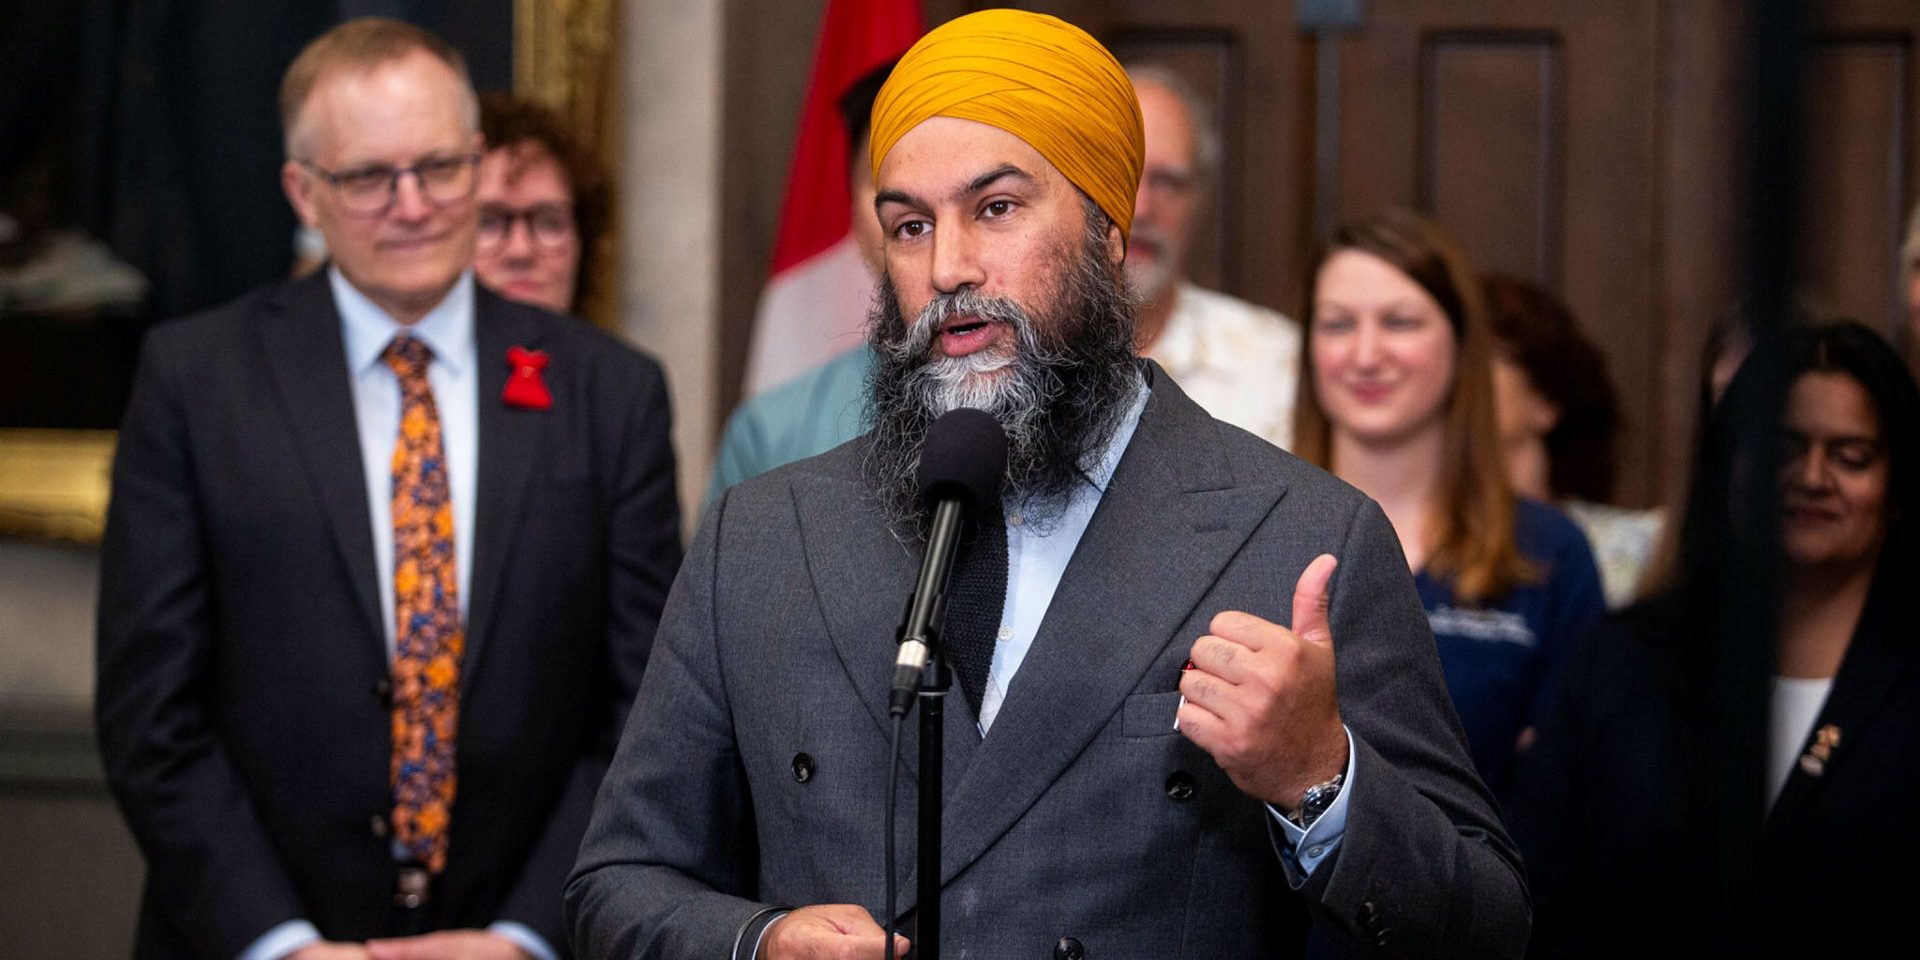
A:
[(242, 666)]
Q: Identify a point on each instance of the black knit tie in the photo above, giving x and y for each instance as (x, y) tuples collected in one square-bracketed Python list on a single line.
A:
[(976, 595)]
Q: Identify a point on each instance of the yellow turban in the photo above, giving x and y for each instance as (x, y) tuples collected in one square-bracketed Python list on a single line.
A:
[(1037, 77)]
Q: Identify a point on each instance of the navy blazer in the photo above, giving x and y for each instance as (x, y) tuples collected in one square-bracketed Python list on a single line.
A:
[(1614, 805), (242, 663)]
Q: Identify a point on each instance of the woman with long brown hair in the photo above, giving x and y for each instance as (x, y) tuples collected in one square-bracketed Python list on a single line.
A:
[(1396, 398)]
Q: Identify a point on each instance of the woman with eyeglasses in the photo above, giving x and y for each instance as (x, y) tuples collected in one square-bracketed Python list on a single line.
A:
[(1396, 398), (542, 203), (1618, 804)]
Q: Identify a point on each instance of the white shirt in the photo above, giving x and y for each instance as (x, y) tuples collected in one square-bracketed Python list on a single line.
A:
[(1239, 361), (1796, 705)]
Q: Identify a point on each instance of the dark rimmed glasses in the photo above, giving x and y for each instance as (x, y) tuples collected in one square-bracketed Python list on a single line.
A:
[(549, 224), (371, 190)]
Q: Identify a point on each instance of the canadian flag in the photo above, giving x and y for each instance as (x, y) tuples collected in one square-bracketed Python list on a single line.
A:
[(815, 303)]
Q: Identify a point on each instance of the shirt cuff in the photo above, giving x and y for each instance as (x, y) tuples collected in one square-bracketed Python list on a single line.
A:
[(281, 940), (761, 938), (1302, 851), (524, 938)]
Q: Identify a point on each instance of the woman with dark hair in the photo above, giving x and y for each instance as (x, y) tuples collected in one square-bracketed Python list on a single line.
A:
[(1396, 398), (1614, 807), (545, 202), (1559, 417)]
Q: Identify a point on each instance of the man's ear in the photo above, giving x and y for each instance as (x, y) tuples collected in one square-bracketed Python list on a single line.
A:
[(298, 187), (1116, 244)]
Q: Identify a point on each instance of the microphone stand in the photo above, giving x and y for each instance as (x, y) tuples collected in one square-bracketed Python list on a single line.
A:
[(920, 633), (935, 681)]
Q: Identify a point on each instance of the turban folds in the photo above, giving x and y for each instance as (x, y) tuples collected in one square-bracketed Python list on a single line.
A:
[(1037, 77)]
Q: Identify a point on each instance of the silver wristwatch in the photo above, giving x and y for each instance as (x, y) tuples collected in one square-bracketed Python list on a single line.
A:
[(1316, 800)]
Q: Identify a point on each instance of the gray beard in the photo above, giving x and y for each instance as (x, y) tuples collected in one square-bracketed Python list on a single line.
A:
[(1059, 397), (1153, 281)]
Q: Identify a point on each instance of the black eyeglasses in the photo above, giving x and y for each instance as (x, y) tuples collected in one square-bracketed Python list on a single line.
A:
[(549, 224), (371, 189)]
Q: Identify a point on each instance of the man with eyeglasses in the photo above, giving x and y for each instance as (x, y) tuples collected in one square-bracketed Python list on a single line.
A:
[(543, 199), (1238, 360), (383, 562)]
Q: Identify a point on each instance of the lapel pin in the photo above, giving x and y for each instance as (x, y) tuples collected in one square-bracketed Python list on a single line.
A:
[(1825, 741), (525, 388)]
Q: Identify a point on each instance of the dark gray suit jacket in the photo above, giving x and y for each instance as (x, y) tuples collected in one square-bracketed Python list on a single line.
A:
[(243, 664), (775, 652)]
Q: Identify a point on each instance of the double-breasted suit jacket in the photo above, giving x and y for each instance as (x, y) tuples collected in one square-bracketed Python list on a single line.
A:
[(753, 771)]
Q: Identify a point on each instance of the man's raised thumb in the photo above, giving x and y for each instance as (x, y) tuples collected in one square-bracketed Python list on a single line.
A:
[(1310, 600)]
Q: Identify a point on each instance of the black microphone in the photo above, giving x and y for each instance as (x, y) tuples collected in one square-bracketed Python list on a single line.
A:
[(961, 466)]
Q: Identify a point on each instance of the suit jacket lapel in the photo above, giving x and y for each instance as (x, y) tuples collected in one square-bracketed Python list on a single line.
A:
[(509, 445), (861, 577), (307, 360), (1173, 516), (1874, 665)]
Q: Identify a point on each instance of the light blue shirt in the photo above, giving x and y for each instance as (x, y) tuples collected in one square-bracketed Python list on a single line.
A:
[(447, 330), (813, 413)]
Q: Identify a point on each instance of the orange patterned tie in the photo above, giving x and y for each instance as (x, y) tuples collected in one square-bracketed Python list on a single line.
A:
[(428, 638)]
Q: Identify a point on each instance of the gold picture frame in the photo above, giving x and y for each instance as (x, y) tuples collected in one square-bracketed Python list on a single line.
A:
[(54, 483)]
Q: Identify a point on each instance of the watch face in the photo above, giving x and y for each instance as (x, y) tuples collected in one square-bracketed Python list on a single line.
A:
[(1318, 798)]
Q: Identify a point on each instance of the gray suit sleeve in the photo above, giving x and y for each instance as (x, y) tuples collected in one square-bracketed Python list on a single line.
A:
[(667, 867), (1425, 869)]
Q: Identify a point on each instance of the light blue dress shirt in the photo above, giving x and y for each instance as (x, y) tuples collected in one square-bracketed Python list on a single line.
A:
[(447, 330)]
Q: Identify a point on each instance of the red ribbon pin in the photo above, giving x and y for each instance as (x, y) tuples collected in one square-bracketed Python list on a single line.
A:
[(525, 387)]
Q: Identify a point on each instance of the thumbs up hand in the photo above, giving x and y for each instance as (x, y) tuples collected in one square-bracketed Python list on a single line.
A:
[(1260, 697)]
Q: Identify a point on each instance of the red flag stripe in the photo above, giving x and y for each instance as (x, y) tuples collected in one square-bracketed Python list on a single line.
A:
[(856, 36)]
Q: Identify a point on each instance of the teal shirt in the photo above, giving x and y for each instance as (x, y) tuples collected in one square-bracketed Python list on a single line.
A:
[(811, 414)]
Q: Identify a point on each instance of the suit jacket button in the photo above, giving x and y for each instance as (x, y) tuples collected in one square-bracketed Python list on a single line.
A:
[(1380, 937), (383, 691), (1069, 949), (1369, 915), (377, 825), (1180, 785), (802, 767)]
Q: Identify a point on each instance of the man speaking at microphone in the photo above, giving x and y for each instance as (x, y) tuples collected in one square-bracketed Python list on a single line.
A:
[(1101, 801)]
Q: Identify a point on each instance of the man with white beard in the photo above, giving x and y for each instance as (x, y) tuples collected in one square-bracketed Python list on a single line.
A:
[(1238, 360)]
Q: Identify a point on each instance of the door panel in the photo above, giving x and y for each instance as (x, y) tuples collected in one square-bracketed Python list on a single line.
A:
[(1856, 163)]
